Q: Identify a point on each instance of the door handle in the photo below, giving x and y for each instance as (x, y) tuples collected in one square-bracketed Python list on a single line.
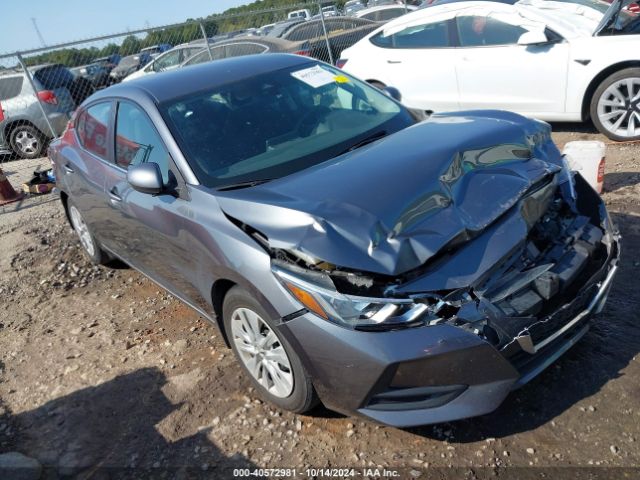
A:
[(394, 61), (114, 195), (67, 168)]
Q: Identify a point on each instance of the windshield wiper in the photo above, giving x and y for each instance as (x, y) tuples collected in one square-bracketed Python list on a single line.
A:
[(247, 184), (371, 138)]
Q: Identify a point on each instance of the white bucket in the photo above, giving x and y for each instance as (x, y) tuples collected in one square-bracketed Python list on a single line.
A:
[(587, 158)]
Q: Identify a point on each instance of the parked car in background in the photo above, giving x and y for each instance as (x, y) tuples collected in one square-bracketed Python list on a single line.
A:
[(353, 6), (280, 28), (168, 60), (95, 73), (156, 50), (377, 3), (342, 31), (23, 129), (109, 62), (241, 46), (384, 13), (547, 63), (128, 65), (265, 29), (330, 11), (304, 14), (408, 272)]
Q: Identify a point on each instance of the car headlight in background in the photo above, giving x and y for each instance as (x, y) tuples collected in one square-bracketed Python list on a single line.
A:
[(349, 310)]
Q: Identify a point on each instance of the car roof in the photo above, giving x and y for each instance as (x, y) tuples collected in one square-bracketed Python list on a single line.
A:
[(196, 78)]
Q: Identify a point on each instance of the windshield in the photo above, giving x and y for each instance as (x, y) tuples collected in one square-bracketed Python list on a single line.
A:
[(616, 19), (278, 123)]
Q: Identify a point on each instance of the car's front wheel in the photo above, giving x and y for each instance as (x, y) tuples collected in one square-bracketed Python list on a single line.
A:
[(266, 357), (615, 106), (90, 246), (26, 141)]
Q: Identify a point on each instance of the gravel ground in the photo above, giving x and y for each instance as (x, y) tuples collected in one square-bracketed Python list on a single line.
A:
[(101, 371)]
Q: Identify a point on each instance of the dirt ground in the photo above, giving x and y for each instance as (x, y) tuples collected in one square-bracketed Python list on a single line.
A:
[(103, 375)]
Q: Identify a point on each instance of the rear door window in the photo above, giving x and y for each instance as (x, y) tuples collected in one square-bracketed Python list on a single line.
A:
[(10, 87), (480, 31), (241, 49), (92, 127), (430, 35)]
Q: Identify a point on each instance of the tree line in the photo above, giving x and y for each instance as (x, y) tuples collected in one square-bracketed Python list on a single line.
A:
[(252, 15)]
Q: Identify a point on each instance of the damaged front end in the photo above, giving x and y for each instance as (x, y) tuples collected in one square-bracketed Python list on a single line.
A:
[(536, 296), (500, 245)]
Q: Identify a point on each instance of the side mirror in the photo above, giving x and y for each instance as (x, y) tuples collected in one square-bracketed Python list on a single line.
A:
[(533, 38), (146, 178), (393, 93)]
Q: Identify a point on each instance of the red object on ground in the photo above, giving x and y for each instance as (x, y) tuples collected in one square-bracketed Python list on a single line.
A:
[(7, 193)]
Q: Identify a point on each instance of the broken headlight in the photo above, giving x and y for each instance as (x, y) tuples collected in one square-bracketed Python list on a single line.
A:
[(349, 310)]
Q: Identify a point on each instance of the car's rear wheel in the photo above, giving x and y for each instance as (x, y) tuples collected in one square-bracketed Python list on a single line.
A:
[(89, 245), (26, 141), (615, 106), (266, 357)]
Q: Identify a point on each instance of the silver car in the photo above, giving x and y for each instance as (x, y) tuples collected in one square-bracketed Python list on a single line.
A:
[(410, 272), (23, 128)]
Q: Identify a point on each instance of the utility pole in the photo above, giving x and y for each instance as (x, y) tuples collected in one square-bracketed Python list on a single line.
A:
[(35, 26)]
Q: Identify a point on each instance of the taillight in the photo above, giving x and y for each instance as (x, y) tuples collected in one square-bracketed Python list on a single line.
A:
[(47, 96), (1, 113), (304, 53), (341, 63)]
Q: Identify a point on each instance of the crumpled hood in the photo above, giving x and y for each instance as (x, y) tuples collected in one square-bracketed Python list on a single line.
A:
[(390, 206)]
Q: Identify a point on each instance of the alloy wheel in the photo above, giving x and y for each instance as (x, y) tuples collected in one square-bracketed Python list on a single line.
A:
[(82, 230), (619, 107), (27, 142), (261, 351)]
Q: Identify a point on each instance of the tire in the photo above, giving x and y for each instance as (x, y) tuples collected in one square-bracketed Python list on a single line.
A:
[(27, 141), (90, 247), (615, 106), (296, 396)]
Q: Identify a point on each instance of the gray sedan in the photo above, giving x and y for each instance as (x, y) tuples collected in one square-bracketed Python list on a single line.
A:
[(410, 272)]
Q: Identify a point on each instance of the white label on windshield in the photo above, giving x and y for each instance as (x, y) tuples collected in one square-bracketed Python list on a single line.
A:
[(314, 76)]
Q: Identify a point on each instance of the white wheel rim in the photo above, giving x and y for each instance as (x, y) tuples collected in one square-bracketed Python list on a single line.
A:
[(619, 107), (27, 142), (261, 351), (82, 230)]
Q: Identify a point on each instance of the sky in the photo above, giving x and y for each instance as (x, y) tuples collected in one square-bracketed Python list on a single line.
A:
[(68, 20)]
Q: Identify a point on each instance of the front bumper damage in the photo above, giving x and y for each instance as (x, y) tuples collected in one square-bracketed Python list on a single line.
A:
[(503, 257), (501, 338)]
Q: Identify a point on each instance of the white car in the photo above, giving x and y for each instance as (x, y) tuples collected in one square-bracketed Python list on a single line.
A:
[(304, 14), (167, 61), (544, 59)]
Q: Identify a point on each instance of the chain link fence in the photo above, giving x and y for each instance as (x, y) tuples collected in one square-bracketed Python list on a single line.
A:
[(40, 88)]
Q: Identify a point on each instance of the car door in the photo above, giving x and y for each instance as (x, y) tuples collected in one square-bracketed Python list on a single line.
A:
[(494, 71), (418, 60), (146, 229)]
